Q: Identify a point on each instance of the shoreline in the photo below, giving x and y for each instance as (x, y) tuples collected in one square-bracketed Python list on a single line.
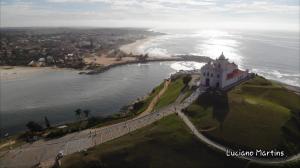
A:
[(132, 48), (8, 73), (108, 67), (132, 57), (291, 88), (104, 63), (201, 59)]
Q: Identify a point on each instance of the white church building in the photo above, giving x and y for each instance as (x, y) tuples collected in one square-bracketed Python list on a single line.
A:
[(221, 73)]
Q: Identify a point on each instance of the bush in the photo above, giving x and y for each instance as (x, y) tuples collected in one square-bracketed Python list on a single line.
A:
[(138, 105), (33, 126), (186, 79)]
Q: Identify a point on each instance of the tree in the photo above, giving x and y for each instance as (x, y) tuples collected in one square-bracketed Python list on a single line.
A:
[(78, 113), (33, 126), (146, 56), (186, 79), (47, 122), (86, 113), (138, 105)]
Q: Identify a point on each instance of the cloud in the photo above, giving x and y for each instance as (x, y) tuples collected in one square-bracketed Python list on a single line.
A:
[(149, 13), (261, 7)]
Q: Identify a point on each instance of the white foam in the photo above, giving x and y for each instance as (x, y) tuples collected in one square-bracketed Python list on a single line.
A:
[(212, 43), (288, 78), (188, 65)]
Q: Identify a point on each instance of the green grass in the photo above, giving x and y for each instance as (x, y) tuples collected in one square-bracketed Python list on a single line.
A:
[(148, 100), (85, 124), (202, 118), (171, 94), (96, 122), (166, 143), (295, 164), (255, 114), (187, 93), (8, 140)]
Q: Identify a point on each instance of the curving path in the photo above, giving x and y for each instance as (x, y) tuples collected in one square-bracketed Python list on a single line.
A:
[(44, 152), (220, 147), (155, 99)]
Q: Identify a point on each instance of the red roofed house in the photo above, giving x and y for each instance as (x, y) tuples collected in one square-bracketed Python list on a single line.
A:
[(221, 73)]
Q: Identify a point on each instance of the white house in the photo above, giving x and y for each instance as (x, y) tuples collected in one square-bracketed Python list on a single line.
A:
[(220, 73)]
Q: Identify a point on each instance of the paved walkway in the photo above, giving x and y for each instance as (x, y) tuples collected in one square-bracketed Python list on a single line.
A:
[(45, 151), (220, 147)]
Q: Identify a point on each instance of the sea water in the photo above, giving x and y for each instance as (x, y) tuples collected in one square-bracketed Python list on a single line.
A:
[(272, 54)]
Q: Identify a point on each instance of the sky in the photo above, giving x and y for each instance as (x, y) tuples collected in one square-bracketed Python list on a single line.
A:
[(240, 14)]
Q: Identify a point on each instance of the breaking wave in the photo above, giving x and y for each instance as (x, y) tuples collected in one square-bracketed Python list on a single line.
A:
[(288, 78), (186, 65), (261, 54)]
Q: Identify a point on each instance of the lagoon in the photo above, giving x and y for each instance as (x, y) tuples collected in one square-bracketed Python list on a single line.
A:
[(58, 93)]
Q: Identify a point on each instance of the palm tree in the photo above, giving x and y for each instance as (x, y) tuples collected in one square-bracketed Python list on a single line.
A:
[(47, 122), (78, 113), (86, 113)]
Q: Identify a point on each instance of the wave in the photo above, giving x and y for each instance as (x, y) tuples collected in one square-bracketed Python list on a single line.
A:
[(188, 65), (235, 47), (288, 78)]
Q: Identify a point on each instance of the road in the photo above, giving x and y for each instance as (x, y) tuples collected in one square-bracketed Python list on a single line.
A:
[(45, 151)]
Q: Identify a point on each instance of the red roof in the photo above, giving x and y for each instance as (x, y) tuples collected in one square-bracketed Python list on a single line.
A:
[(234, 74)]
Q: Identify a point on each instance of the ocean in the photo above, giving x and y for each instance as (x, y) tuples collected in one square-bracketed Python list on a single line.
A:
[(272, 54)]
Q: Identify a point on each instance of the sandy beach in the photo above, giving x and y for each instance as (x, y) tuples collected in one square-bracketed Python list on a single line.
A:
[(106, 61), (132, 48), (132, 51), (19, 72)]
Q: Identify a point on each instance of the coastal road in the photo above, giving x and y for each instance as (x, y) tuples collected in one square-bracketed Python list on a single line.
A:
[(45, 151)]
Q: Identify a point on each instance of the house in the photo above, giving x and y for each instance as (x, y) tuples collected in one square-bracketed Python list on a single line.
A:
[(221, 73)]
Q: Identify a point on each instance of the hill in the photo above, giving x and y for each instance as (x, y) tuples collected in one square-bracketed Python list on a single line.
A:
[(166, 143), (257, 114)]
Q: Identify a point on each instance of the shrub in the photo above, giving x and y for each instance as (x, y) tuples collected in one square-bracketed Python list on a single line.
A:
[(33, 126)]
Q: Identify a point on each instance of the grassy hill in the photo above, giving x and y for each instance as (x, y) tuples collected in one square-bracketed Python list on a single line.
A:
[(166, 143), (171, 93), (256, 114)]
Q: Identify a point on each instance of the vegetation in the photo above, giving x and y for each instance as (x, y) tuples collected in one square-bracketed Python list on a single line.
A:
[(186, 79), (171, 94), (295, 164), (34, 127), (166, 143), (142, 105), (187, 93), (11, 142), (47, 122), (78, 113), (86, 113), (86, 123), (256, 114)]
